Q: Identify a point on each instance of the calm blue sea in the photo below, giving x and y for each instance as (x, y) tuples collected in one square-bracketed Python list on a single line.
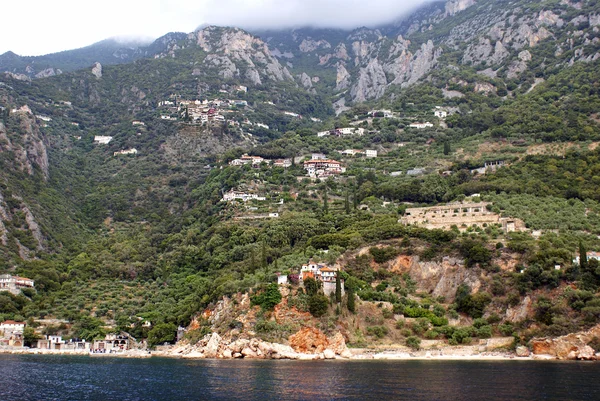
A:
[(32, 377)]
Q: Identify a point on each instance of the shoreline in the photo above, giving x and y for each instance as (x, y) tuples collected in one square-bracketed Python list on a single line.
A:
[(358, 355)]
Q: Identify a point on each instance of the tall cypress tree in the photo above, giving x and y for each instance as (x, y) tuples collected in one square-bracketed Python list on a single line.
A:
[(347, 203), (582, 256), (351, 303)]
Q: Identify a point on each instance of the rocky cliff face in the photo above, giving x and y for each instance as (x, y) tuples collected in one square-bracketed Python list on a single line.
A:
[(27, 145), (500, 39), (235, 53)]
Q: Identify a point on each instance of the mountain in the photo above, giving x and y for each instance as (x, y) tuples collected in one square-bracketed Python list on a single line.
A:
[(108, 52), (116, 178)]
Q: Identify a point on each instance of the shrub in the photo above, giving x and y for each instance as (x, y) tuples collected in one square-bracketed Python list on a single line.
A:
[(506, 329), (484, 332), (377, 331), (413, 342), (382, 255), (268, 298), (318, 304)]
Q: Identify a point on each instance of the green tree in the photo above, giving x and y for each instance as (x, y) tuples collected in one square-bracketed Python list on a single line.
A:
[(311, 286), (347, 203), (413, 342), (447, 149), (318, 304), (268, 298), (162, 333), (325, 202), (29, 336), (351, 302), (582, 256)]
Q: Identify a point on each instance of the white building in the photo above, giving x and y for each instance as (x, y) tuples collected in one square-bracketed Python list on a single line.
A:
[(371, 153), (590, 255), (10, 326), (243, 196), (14, 284), (132, 151), (102, 140), (421, 125), (137, 123)]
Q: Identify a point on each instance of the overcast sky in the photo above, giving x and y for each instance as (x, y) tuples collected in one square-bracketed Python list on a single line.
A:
[(41, 26)]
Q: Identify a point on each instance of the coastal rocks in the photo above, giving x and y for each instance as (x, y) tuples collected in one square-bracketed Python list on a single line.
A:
[(309, 340), (211, 348), (522, 352), (307, 344), (571, 346)]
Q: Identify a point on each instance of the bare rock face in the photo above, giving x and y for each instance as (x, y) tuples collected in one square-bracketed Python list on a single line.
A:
[(309, 45), (48, 72), (343, 78), (438, 278), (97, 70), (212, 347), (519, 312), (456, 6), (371, 83), (34, 228), (570, 346), (235, 53)]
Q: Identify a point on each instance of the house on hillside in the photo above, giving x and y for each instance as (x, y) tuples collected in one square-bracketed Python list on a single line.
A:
[(323, 274), (14, 284), (592, 255)]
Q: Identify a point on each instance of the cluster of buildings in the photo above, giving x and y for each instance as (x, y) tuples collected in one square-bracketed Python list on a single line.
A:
[(323, 274), (256, 161), (232, 196), (198, 111), (369, 153), (319, 166), (14, 284), (11, 333), (489, 167), (339, 132), (320, 272)]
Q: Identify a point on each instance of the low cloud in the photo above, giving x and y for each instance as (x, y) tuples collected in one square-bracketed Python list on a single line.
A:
[(318, 13), (68, 24)]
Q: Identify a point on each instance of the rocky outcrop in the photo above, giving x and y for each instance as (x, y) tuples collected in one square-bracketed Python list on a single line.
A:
[(571, 346), (455, 6), (236, 53), (97, 70), (343, 78), (520, 312), (27, 144), (309, 45), (48, 72)]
